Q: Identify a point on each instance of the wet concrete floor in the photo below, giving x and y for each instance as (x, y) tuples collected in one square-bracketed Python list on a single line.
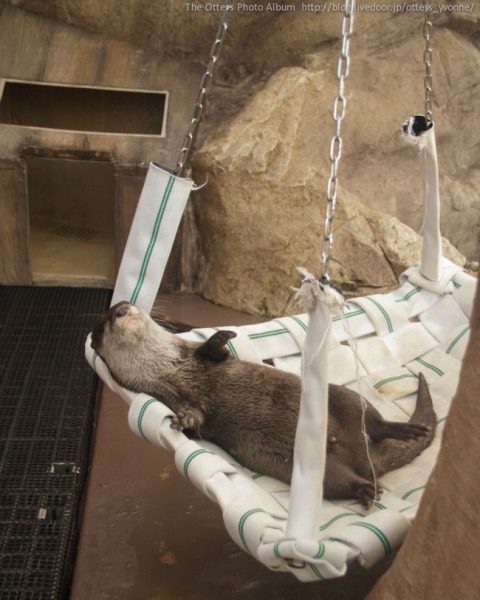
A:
[(148, 534)]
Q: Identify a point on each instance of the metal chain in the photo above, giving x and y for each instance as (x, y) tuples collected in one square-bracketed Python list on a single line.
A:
[(339, 106), (427, 59), (205, 83)]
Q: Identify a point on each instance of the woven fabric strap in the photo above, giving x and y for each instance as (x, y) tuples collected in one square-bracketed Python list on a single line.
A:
[(311, 434), (159, 211), (430, 265), (255, 507)]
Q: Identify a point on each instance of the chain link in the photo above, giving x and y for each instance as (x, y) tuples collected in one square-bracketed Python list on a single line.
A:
[(205, 83), (339, 107), (427, 59)]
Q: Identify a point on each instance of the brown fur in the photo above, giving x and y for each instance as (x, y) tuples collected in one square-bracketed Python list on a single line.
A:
[(250, 410)]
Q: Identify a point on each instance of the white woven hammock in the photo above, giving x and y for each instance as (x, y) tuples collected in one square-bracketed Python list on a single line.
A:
[(421, 326)]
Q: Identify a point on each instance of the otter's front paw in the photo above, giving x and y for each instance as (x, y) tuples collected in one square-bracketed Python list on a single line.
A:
[(187, 418), (214, 349)]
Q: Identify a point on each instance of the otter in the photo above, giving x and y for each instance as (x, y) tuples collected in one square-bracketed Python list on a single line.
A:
[(250, 410)]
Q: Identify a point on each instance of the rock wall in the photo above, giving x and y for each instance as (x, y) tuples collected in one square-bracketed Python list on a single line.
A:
[(264, 145), (261, 214)]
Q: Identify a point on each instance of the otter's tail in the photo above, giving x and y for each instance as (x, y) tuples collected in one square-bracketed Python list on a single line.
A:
[(391, 453)]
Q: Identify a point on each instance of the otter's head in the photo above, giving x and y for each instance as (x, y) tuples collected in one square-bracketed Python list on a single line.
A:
[(121, 325), (136, 350)]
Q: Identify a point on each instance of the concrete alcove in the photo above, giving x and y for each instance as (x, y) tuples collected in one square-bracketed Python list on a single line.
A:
[(83, 108), (71, 218)]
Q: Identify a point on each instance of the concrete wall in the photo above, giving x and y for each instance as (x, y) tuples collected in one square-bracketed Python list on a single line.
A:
[(38, 49), (34, 48)]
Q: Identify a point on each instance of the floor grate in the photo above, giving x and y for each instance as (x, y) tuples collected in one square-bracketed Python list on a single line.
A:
[(47, 398), (74, 232)]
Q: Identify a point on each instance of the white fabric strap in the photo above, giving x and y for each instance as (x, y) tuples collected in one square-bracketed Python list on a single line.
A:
[(430, 265), (311, 436), (443, 285), (151, 237)]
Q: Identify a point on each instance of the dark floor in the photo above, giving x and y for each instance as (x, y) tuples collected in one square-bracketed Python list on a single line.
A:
[(147, 534), (47, 401)]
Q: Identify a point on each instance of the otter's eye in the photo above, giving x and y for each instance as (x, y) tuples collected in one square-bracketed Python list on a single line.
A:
[(122, 311)]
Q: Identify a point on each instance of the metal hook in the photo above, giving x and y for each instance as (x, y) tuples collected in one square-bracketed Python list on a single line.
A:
[(195, 188)]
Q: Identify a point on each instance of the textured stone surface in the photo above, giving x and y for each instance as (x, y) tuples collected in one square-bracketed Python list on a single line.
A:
[(265, 142), (262, 213), (260, 39)]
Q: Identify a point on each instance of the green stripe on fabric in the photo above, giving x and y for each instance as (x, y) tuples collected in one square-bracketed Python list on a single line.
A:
[(389, 379), (321, 550), (457, 339), (456, 285), (340, 516), (383, 311), (241, 524), (276, 550), (231, 348), (412, 491), (380, 505), (430, 366), (153, 239), (410, 294), (257, 476), (354, 313), (441, 420), (141, 414), (190, 457), (300, 322), (315, 570), (257, 336), (379, 533), (94, 361), (318, 555)]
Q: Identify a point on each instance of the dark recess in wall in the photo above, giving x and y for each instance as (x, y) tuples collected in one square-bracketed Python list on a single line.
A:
[(83, 109)]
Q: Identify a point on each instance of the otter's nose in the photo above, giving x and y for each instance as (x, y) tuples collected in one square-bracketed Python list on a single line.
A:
[(122, 310)]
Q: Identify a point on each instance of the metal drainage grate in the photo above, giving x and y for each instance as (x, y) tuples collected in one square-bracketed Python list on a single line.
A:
[(47, 397), (74, 233)]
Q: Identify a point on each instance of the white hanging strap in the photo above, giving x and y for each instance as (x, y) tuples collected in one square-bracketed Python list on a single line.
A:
[(161, 206), (320, 301), (422, 132), (311, 437), (151, 237)]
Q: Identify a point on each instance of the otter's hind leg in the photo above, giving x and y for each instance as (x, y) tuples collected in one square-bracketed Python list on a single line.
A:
[(379, 429), (342, 482), (399, 431)]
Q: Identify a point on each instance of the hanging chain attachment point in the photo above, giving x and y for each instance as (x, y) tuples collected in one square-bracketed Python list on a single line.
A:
[(205, 83), (427, 60), (339, 107)]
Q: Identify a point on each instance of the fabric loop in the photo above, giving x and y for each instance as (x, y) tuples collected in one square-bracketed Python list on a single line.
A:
[(151, 237)]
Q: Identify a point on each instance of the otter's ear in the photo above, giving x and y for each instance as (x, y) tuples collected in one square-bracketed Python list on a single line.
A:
[(214, 348)]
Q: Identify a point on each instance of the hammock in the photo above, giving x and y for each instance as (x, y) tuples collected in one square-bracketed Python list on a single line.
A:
[(423, 326)]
